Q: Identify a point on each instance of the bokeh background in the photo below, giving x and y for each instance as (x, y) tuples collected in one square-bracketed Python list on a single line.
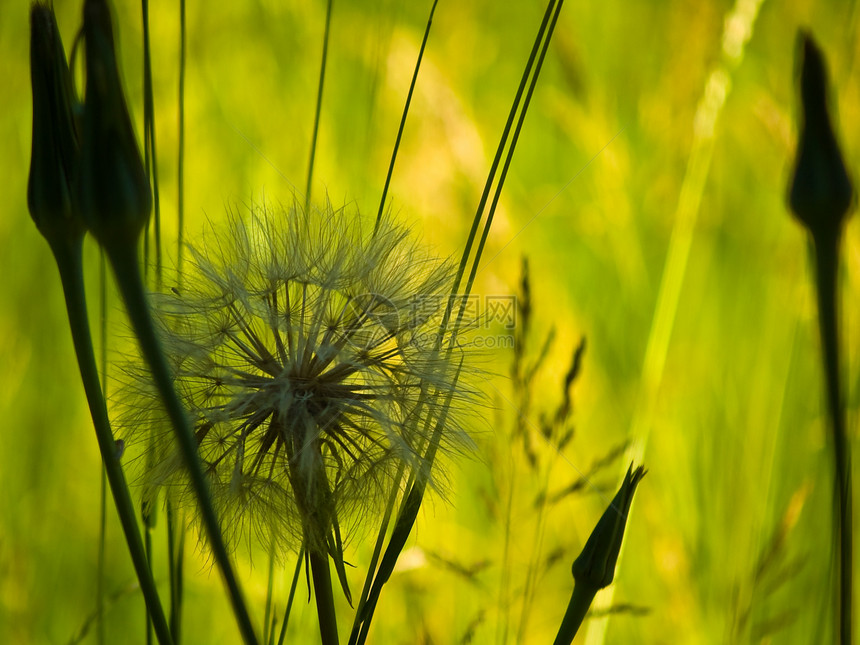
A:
[(647, 192)]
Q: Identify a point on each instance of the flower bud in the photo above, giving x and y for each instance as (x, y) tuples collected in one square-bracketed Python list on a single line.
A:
[(114, 190), (595, 566), (54, 155), (821, 192)]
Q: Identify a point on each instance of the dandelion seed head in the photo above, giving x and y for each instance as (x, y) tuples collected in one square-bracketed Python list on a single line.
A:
[(311, 378)]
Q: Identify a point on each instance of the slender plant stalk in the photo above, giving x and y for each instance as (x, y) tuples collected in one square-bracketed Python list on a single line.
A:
[(150, 154), (69, 261), (377, 551), (100, 575), (405, 113), (267, 632), (324, 597), (580, 601), (467, 251), (150, 157), (176, 558), (555, 9), (319, 106), (125, 264), (175, 529), (147, 546), (180, 166), (100, 584), (292, 595), (411, 503), (826, 274), (383, 530)]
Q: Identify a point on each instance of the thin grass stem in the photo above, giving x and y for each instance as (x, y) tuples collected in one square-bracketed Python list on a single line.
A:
[(267, 631), (147, 546), (180, 166), (292, 595), (150, 153), (318, 106), (403, 117), (514, 139), (470, 240), (100, 576), (175, 563)]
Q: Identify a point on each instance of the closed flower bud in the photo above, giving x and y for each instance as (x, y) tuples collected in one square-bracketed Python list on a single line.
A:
[(595, 566), (114, 190), (821, 192), (54, 157)]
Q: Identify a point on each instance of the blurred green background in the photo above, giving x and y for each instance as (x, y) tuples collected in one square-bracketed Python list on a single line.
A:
[(647, 192)]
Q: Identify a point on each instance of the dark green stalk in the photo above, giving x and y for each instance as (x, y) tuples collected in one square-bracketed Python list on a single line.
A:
[(180, 168), (826, 274), (69, 262), (100, 575), (267, 632), (324, 597), (293, 585), (822, 196), (150, 154), (100, 626), (319, 106), (580, 601), (383, 528), (405, 113), (377, 551), (176, 558), (147, 545), (594, 568), (125, 264), (175, 532), (403, 526)]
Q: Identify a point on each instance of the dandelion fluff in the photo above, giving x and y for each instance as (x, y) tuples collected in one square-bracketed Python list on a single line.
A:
[(304, 347)]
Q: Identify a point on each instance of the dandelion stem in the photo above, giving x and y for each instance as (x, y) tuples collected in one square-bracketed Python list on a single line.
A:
[(580, 600), (68, 255), (125, 265), (324, 597), (826, 273)]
